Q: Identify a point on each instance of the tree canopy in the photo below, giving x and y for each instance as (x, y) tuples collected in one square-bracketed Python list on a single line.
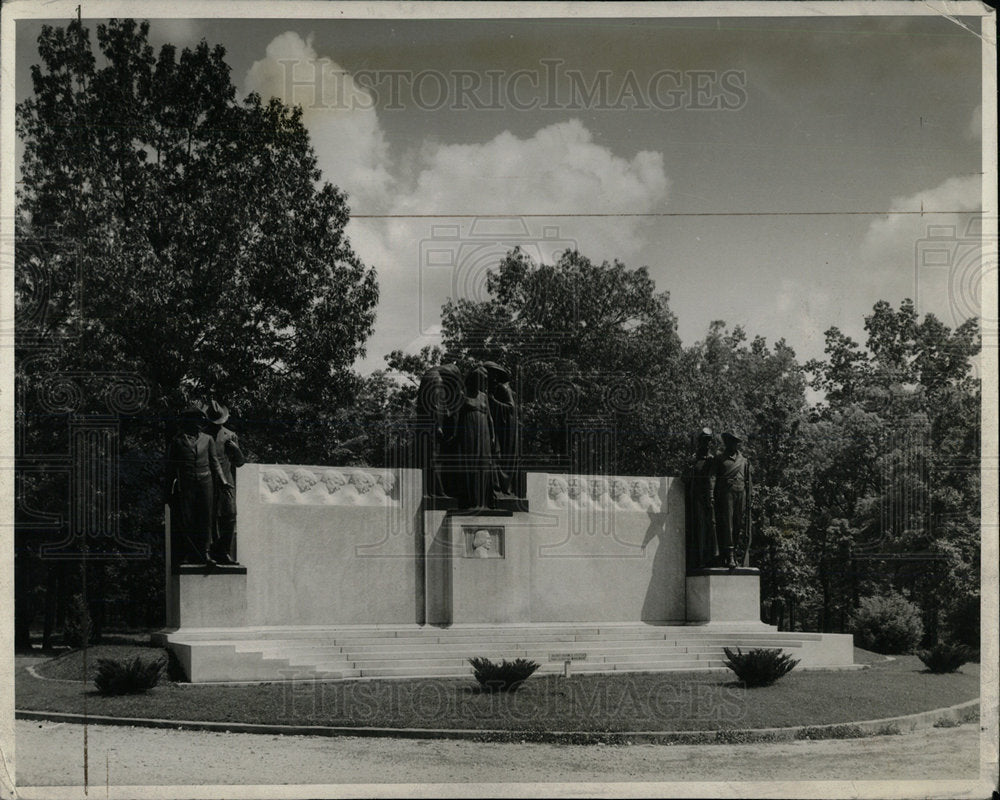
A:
[(210, 256), (173, 242)]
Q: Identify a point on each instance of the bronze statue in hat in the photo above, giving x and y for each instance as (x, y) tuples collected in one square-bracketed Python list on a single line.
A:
[(193, 472)]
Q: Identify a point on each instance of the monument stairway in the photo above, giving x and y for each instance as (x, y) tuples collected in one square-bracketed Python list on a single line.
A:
[(428, 651)]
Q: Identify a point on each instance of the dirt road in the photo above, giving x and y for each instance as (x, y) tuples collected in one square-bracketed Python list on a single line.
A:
[(52, 754)]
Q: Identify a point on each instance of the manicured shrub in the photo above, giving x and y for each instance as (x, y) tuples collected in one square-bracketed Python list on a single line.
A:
[(887, 624), (77, 628), (507, 676), (127, 676), (945, 657), (760, 666)]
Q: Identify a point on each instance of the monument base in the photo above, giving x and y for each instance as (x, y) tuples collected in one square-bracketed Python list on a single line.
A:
[(479, 569), (207, 597), (722, 595)]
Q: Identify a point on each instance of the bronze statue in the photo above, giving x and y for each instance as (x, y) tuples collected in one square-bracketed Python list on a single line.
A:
[(703, 544), (732, 501), (466, 438), (503, 410), (227, 447), (439, 398), (476, 443), (192, 467)]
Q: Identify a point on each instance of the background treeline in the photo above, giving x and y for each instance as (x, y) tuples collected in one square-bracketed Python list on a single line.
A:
[(175, 242)]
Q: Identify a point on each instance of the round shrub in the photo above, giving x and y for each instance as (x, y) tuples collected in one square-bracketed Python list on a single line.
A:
[(887, 624), (945, 657)]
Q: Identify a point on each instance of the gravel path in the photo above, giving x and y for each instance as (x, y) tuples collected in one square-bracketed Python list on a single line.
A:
[(50, 754)]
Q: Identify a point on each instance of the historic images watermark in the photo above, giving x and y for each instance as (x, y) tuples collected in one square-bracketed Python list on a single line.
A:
[(84, 457), (581, 705), (455, 259), (548, 86), (961, 259)]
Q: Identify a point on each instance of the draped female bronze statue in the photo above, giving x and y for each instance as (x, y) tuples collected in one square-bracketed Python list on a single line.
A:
[(439, 398), (467, 434), (476, 443)]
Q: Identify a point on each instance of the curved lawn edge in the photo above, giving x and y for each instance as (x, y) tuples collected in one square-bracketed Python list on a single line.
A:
[(952, 715)]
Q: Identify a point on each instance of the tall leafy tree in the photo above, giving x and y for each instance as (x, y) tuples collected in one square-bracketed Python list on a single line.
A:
[(898, 458), (171, 231), (593, 348)]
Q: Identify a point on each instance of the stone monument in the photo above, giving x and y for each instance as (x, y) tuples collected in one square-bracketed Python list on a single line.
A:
[(360, 572)]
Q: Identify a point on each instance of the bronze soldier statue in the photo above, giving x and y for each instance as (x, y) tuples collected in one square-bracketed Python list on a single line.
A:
[(227, 447), (193, 468), (732, 501), (703, 544)]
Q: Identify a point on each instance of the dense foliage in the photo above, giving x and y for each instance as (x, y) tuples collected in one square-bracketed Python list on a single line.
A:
[(887, 624), (760, 666)]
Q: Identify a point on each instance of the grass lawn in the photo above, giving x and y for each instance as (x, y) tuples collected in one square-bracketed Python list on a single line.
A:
[(640, 701)]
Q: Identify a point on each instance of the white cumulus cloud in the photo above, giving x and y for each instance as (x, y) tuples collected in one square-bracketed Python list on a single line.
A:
[(929, 257), (350, 145), (559, 170), (554, 175)]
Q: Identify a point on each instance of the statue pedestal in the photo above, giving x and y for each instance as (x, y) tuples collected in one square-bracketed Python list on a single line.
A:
[(721, 595), (478, 569), (202, 597)]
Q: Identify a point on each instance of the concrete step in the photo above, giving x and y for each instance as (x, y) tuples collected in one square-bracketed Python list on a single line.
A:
[(532, 651), (578, 667), (344, 645), (300, 655), (487, 636), (322, 671), (512, 644), (610, 658)]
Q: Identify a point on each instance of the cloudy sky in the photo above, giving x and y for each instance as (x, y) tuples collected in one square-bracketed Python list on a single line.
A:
[(751, 164)]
